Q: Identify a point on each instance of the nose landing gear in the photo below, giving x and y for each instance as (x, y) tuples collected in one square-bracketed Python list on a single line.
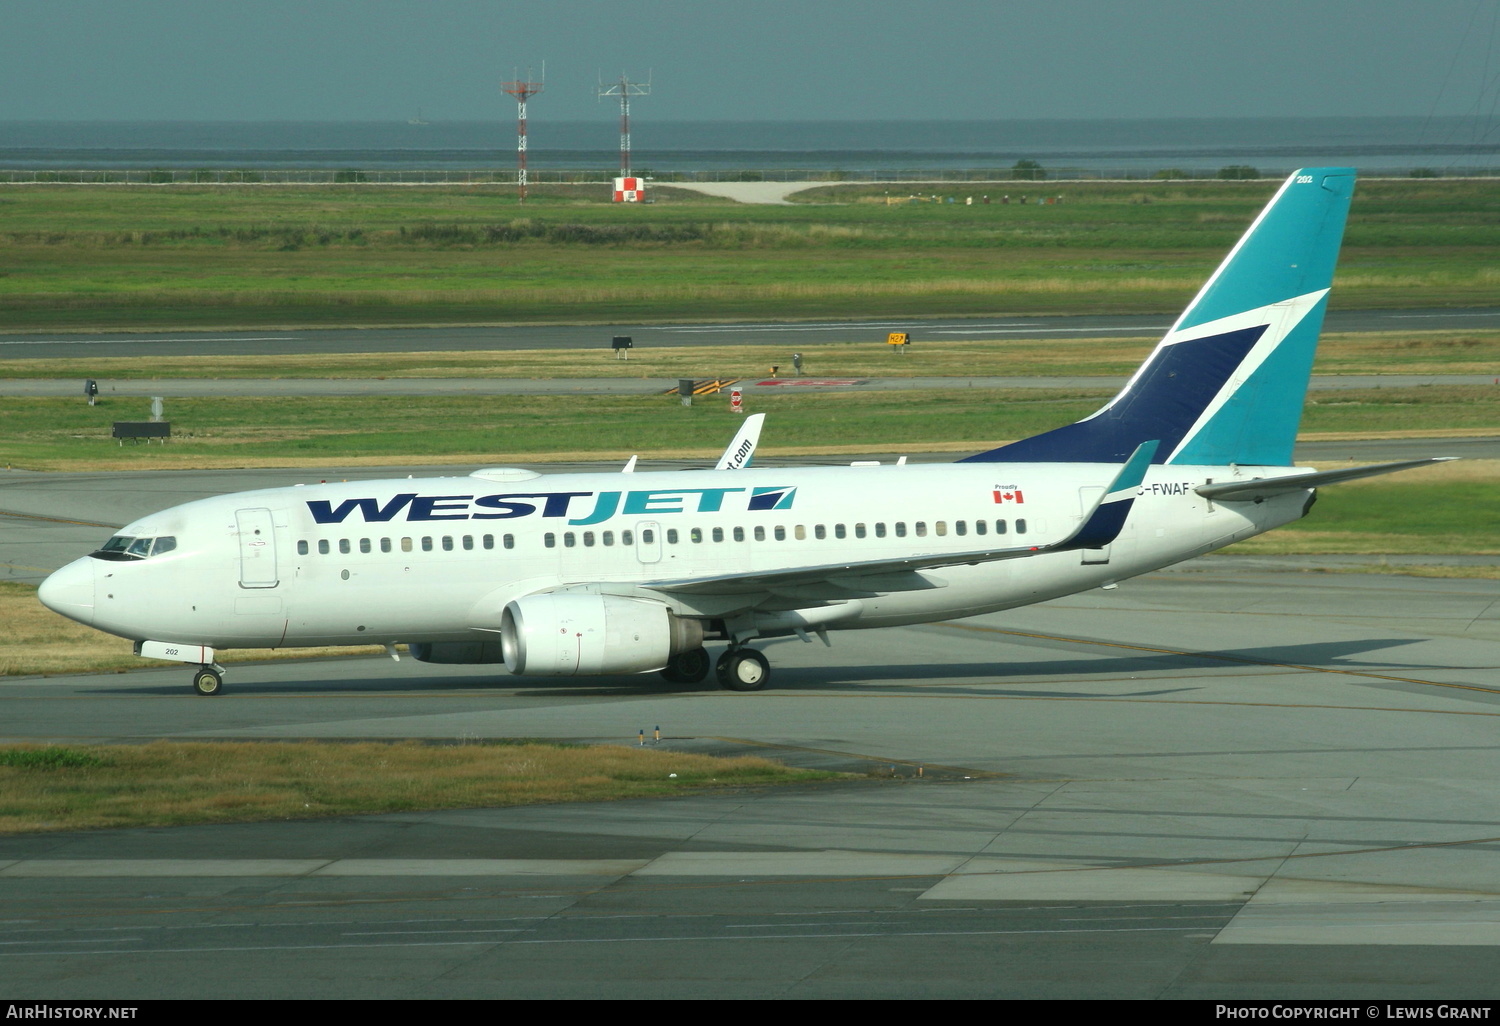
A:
[(208, 680)]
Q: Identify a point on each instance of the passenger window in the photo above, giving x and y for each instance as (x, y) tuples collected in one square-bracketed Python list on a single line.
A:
[(447, 543), (921, 528), (323, 546), (628, 538), (901, 529), (880, 530), (859, 530), (364, 545), (550, 540), (980, 527), (671, 536), (488, 541), (1020, 527), (468, 542), (608, 538), (302, 548), (385, 545), (739, 534), (696, 534), (838, 530), (648, 536), (344, 545), (510, 541), (427, 543), (405, 544), (999, 526), (780, 533), (760, 533), (801, 533), (940, 528), (960, 527), (820, 532), (569, 540), (588, 539)]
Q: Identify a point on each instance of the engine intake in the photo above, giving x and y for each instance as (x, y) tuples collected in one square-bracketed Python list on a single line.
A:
[(566, 635)]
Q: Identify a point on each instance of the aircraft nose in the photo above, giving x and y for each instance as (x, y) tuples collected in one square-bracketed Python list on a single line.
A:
[(70, 591)]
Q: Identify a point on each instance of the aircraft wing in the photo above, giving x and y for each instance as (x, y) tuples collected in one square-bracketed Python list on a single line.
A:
[(1265, 487), (1096, 530)]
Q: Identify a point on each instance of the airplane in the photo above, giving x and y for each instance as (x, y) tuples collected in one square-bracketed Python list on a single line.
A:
[(603, 573)]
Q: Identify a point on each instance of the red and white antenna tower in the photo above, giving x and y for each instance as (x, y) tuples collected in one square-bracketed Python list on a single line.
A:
[(523, 91), (625, 89)]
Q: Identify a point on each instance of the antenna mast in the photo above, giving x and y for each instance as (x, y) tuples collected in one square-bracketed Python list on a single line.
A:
[(523, 91), (625, 89)]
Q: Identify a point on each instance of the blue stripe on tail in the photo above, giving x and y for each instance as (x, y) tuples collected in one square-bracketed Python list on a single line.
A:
[(1227, 383)]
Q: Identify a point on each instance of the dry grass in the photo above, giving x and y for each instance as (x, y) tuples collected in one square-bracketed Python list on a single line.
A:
[(171, 783)]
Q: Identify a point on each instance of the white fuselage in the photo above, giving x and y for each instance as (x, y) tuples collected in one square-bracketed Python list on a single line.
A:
[(437, 559)]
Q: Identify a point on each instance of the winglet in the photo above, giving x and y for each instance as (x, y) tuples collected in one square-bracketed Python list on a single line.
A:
[(742, 447), (1107, 518)]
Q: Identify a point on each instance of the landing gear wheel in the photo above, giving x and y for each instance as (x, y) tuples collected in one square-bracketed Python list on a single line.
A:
[(208, 681), (743, 669), (688, 667)]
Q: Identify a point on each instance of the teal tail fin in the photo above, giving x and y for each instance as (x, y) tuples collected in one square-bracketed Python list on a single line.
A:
[(1227, 383)]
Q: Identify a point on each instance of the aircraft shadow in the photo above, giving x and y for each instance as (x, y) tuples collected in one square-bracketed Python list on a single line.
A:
[(994, 677)]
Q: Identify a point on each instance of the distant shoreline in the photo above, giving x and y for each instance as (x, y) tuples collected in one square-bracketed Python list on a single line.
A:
[(1373, 143)]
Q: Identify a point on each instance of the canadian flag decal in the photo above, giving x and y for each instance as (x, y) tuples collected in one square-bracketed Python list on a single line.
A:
[(1008, 495)]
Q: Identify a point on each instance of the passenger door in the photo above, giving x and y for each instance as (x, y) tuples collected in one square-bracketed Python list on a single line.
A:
[(257, 536)]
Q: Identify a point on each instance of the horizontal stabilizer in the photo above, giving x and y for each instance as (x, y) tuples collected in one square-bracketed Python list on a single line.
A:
[(1265, 487)]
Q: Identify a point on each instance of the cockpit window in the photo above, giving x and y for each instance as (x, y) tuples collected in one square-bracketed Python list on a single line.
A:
[(124, 547), (115, 548)]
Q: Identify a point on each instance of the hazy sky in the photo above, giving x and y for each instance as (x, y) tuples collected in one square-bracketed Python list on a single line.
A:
[(747, 59)]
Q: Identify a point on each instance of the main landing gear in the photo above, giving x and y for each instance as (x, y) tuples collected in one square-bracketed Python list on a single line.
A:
[(687, 667), (743, 669), (208, 680), (738, 669)]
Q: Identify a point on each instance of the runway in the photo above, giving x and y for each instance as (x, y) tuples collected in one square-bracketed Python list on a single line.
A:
[(791, 335), (1215, 783)]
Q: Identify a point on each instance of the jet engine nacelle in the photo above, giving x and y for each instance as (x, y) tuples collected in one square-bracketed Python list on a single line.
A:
[(563, 635)]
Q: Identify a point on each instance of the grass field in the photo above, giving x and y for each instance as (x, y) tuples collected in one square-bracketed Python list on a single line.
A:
[(49, 788), (67, 434), (86, 256)]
